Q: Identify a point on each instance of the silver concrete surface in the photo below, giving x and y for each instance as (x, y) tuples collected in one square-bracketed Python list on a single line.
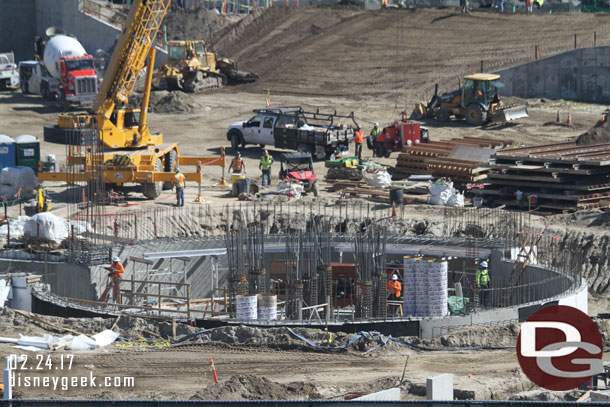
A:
[(581, 74), (440, 387)]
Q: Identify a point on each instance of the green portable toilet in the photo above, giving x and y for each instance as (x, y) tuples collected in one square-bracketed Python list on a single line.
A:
[(28, 151)]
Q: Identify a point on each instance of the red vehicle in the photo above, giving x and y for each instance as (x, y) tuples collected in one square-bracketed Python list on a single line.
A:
[(396, 136), (299, 167), (66, 72)]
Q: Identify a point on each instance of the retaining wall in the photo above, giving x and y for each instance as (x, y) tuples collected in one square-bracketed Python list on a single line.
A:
[(581, 74), (18, 27), (66, 280)]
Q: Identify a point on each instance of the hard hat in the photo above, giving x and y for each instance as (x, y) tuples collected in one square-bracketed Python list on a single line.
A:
[(484, 264), (177, 169), (116, 259), (376, 124), (394, 277)]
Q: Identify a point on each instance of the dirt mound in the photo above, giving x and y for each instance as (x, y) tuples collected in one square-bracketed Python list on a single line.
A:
[(600, 133), (249, 387), (545, 395), (199, 24), (163, 101), (480, 336)]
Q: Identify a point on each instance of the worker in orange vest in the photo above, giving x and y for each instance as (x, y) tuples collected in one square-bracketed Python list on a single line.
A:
[(394, 287), (237, 165), (180, 183), (115, 271), (358, 140)]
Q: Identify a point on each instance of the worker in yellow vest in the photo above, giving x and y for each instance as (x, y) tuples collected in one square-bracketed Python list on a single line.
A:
[(483, 283), (265, 167), (180, 183)]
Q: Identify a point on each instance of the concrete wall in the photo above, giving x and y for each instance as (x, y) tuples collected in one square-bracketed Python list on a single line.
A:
[(92, 33), (18, 27), (433, 328), (66, 280), (581, 74)]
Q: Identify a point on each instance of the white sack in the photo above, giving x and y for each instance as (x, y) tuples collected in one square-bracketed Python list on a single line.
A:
[(294, 190), (442, 193), (377, 177), (19, 177), (52, 227)]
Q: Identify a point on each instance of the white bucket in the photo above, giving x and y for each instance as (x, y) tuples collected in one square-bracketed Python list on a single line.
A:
[(245, 307), (267, 306)]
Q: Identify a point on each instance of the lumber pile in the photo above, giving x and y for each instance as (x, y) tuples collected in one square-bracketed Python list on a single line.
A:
[(415, 193), (554, 177), (463, 160)]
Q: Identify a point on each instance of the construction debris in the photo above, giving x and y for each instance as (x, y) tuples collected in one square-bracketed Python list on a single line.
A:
[(557, 177)]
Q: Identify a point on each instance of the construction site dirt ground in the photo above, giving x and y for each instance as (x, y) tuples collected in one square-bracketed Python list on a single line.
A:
[(376, 64), (252, 364)]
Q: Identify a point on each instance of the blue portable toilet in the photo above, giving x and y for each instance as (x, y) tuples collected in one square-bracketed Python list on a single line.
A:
[(8, 154)]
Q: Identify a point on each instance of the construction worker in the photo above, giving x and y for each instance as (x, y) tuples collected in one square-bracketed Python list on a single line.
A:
[(483, 283), (114, 277), (42, 204), (394, 287), (180, 183), (237, 165), (372, 138), (380, 147), (358, 140), (265, 167)]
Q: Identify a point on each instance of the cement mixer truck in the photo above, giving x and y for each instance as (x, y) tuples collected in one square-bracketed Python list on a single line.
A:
[(66, 72)]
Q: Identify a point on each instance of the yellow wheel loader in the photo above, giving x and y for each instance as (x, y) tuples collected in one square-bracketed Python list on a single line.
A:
[(478, 101), (192, 68)]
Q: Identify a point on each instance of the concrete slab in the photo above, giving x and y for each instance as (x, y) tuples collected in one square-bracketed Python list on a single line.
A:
[(389, 394), (440, 387)]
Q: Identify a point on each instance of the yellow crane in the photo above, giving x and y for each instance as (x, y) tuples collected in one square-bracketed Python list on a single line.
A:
[(132, 154)]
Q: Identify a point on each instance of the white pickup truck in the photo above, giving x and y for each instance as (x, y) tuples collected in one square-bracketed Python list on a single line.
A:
[(292, 128)]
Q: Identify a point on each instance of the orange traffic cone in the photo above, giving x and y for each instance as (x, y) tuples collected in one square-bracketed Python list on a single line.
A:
[(394, 209), (569, 122), (558, 119)]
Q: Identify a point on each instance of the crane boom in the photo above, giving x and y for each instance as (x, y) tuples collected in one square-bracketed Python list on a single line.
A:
[(129, 56)]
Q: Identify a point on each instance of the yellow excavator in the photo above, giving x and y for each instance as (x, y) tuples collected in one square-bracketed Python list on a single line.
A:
[(191, 67), (128, 151), (478, 101)]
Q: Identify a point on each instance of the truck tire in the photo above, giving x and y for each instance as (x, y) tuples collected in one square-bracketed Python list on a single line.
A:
[(236, 139), (314, 189), (152, 190), (171, 162), (442, 115), (475, 115)]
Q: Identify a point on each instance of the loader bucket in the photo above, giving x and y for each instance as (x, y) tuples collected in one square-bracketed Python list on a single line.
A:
[(509, 114)]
